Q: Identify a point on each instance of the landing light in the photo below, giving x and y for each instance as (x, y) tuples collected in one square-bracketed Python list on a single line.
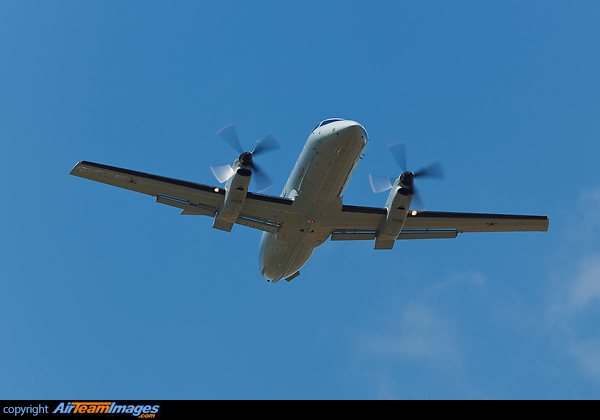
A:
[(217, 189), (414, 212)]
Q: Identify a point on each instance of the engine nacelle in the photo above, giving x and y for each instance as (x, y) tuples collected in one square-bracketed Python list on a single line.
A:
[(236, 190), (397, 207)]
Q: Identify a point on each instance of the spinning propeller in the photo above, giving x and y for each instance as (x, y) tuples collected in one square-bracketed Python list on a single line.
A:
[(398, 151), (266, 143)]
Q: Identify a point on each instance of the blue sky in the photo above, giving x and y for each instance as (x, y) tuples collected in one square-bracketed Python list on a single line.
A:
[(106, 294)]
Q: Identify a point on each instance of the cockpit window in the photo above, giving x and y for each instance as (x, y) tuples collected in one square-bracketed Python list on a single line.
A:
[(329, 121)]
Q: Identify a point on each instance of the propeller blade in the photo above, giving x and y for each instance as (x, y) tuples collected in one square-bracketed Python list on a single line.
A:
[(266, 143), (263, 181), (380, 183), (435, 170), (417, 201), (222, 173), (398, 151), (228, 134)]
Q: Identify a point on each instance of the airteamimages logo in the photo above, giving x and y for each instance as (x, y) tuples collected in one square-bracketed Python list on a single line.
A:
[(94, 407)]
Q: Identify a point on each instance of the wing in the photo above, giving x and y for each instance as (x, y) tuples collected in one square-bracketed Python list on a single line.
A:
[(260, 211), (476, 222), (361, 223)]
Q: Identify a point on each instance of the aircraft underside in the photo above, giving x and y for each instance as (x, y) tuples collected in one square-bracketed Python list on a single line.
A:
[(310, 209)]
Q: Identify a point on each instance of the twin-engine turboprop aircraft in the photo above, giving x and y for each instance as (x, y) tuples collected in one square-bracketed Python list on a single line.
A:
[(309, 209)]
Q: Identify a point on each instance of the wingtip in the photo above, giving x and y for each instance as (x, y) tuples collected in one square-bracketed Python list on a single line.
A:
[(74, 169), (79, 165)]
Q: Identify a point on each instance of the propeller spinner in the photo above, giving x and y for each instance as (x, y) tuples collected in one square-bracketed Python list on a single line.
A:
[(265, 144)]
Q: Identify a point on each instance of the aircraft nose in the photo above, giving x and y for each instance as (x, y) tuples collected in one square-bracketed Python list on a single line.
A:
[(353, 129)]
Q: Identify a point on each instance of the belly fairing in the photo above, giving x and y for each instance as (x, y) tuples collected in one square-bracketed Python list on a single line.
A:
[(277, 261)]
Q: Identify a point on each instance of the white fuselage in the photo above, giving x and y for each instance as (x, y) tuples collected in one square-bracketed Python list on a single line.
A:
[(316, 185)]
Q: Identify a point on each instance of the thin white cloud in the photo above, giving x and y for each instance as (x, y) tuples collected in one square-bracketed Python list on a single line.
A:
[(461, 279), (585, 287), (427, 330), (574, 295), (418, 333), (387, 389), (584, 221), (587, 352)]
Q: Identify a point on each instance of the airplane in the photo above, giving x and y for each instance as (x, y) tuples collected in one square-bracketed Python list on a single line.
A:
[(310, 209)]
